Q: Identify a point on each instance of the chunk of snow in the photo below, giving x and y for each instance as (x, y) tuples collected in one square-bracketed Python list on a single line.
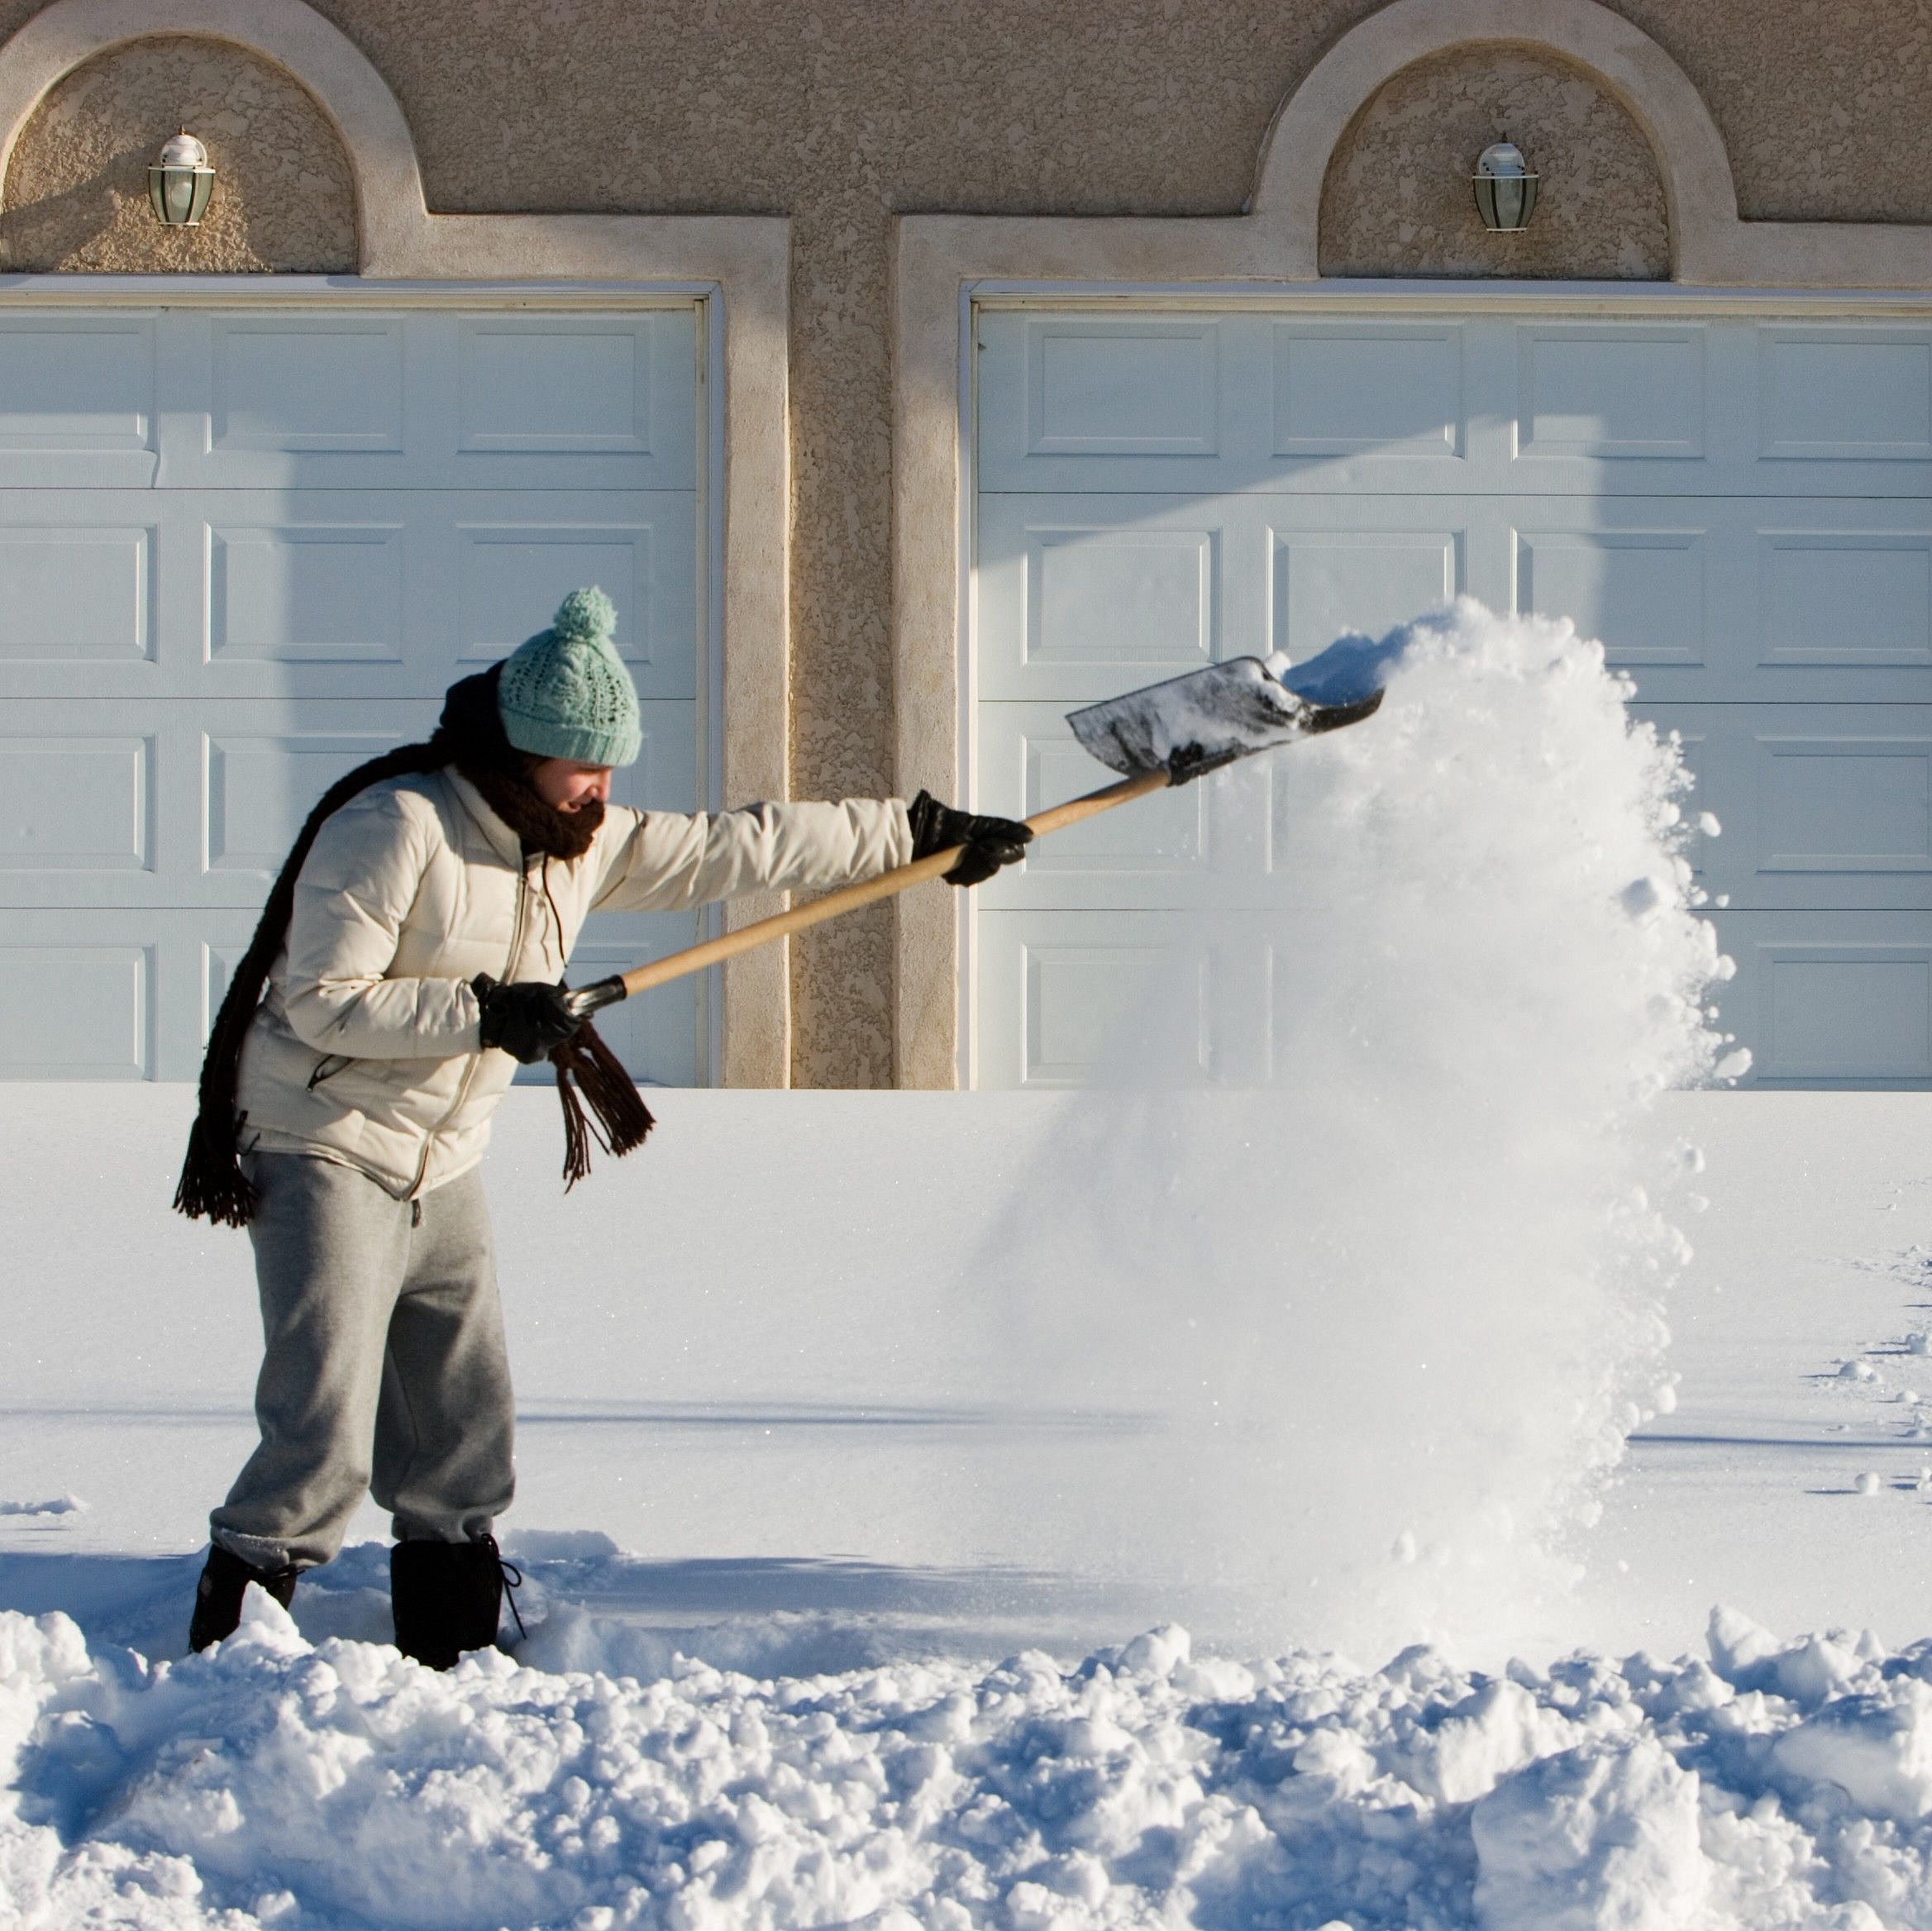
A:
[(1640, 898), (1158, 1651), (1877, 1748), (1866, 1484), (60, 1505), (1738, 1645), (1603, 1838)]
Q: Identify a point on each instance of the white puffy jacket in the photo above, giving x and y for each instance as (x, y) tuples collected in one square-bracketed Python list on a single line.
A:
[(365, 1049)]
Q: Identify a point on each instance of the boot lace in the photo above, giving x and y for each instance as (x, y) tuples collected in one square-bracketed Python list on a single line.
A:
[(513, 1581)]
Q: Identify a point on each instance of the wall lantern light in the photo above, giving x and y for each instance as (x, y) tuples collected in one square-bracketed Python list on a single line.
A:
[(181, 181), (1505, 189)]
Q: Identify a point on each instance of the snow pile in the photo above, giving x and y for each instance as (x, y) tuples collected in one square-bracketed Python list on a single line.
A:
[(1395, 1271), (276, 1784)]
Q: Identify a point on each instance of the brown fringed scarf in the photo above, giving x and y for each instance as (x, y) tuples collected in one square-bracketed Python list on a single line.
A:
[(470, 736)]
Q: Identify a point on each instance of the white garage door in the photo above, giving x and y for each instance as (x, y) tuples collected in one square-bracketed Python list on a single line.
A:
[(242, 551), (1737, 507)]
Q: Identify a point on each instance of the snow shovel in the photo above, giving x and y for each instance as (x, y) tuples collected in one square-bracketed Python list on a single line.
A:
[(1168, 733)]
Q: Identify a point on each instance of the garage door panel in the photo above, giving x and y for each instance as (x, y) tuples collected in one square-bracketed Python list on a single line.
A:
[(260, 788), (182, 804), (1132, 388), (1854, 599), (109, 994), (289, 384), (1834, 395), (77, 596), (1475, 406), (424, 399), (1610, 394), (173, 803), (217, 594), (1391, 391), (531, 551), (1643, 593), (337, 399), (1325, 582), (76, 1012), (1059, 991), (1159, 404), (1830, 999), (1820, 804), (1079, 598), (319, 593), (78, 399), (83, 805), (1738, 600)]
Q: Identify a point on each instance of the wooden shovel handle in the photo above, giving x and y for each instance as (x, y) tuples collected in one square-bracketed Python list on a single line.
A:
[(887, 885)]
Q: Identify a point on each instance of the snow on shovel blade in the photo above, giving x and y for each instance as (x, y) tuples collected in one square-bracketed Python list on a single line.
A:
[(1197, 723)]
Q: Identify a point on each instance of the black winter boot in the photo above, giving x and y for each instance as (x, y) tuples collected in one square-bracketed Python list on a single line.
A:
[(218, 1596), (446, 1598)]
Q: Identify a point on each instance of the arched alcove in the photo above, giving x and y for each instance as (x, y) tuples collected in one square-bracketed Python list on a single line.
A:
[(1397, 199), (75, 195), (1613, 56)]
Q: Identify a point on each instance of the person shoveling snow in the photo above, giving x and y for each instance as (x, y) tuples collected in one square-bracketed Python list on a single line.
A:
[(366, 1039), (409, 958)]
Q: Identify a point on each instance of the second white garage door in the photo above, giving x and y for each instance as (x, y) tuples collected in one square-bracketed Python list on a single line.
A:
[(243, 549), (1737, 506)]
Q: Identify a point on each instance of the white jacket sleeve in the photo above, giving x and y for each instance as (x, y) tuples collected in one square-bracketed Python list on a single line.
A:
[(663, 861), (353, 893)]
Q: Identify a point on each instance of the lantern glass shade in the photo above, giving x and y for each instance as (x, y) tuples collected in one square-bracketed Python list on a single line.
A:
[(1505, 189), (180, 181)]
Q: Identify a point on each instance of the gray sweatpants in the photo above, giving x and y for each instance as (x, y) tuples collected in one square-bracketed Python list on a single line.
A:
[(384, 1367)]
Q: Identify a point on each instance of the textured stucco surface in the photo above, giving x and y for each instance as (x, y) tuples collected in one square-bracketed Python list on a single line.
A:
[(76, 192), (1397, 199), (842, 112)]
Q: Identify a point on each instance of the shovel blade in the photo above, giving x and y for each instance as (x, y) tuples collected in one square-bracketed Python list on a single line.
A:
[(1196, 723)]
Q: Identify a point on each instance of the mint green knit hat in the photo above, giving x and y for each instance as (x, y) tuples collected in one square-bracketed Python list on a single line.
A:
[(565, 693)]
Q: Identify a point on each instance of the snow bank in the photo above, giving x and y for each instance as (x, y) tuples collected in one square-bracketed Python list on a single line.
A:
[(276, 1784), (1400, 1266)]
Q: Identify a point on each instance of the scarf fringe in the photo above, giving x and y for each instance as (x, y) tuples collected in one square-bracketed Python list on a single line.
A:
[(213, 1187), (618, 1120)]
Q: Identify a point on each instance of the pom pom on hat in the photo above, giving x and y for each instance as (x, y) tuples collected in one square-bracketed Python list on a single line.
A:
[(585, 616), (566, 693)]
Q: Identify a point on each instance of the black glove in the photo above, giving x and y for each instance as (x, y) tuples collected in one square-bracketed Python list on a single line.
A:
[(989, 843), (526, 1017)]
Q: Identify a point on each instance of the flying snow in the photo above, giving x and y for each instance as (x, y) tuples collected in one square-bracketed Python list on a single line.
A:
[(1395, 1279)]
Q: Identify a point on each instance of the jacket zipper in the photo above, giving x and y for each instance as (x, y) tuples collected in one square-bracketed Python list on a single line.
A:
[(469, 1071)]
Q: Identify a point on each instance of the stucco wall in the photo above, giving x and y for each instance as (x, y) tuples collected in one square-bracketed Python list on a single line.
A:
[(842, 113), (76, 194), (1397, 199)]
